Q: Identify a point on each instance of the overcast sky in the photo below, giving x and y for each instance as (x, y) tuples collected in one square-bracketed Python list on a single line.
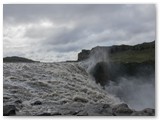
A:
[(60, 32)]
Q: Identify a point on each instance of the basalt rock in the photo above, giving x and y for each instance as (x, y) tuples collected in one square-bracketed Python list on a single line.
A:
[(9, 110), (80, 99), (116, 49), (83, 55), (101, 73), (36, 103), (122, 110), (45, 114), (145, 112)]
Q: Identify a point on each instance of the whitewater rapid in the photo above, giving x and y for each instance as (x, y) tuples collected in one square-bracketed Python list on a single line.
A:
[(60, 87)]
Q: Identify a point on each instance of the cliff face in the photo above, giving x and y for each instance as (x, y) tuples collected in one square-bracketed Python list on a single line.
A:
[(123, 53), (83, 55), (104, 73), (114, 63), (126, 71)]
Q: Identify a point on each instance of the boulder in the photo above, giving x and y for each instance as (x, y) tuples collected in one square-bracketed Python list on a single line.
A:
[(36, 103), (45, 114), (56, 113), (106, 110), (122, 110), (80, 99), (9, 110), (82, 113), (18, 101), (145, 112), (98, 109)]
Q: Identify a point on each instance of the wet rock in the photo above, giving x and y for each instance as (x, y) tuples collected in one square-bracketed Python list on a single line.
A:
[(122, 110), (101, 73), (12, 77), (36, 103), (145, 112), (80, 99), (106, 110), (98, 109), (73, 112), (45, 114), (56, 114), (6, 98), (72, 108), (18, 101), (106, 106), (82, 113), (63, 101), (9, 110), (149, 111)]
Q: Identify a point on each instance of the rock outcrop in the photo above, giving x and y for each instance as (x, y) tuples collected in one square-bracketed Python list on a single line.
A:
[(88, 110), (9, 110), (123, 53), (83, 55), (101, 73), (18, 59), (104, 72), (122, 110)]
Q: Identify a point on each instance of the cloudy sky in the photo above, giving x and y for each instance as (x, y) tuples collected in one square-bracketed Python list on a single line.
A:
[(59, 32)]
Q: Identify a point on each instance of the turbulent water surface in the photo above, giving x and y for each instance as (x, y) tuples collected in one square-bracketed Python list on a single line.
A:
[(38, 88)]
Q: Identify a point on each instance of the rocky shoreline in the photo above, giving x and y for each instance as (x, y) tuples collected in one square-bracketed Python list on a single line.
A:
[(88, 110)]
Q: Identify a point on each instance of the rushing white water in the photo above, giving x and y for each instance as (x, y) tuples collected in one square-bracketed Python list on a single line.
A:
[(56, 85)]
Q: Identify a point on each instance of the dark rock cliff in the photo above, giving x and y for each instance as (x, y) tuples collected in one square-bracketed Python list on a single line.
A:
[(123, 53)]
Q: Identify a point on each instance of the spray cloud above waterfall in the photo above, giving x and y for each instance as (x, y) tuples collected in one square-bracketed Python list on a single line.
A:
[(124, 72)]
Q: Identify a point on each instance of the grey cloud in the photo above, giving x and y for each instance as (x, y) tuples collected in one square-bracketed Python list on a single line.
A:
[(78, 26), (67, 48), (62, 12), (38, 32), (65, 36)]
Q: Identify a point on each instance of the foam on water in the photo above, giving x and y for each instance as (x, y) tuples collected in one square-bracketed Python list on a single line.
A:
[(54, 84)]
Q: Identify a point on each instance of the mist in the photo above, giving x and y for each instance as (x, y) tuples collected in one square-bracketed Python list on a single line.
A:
[(132, 83), (138, 93)]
